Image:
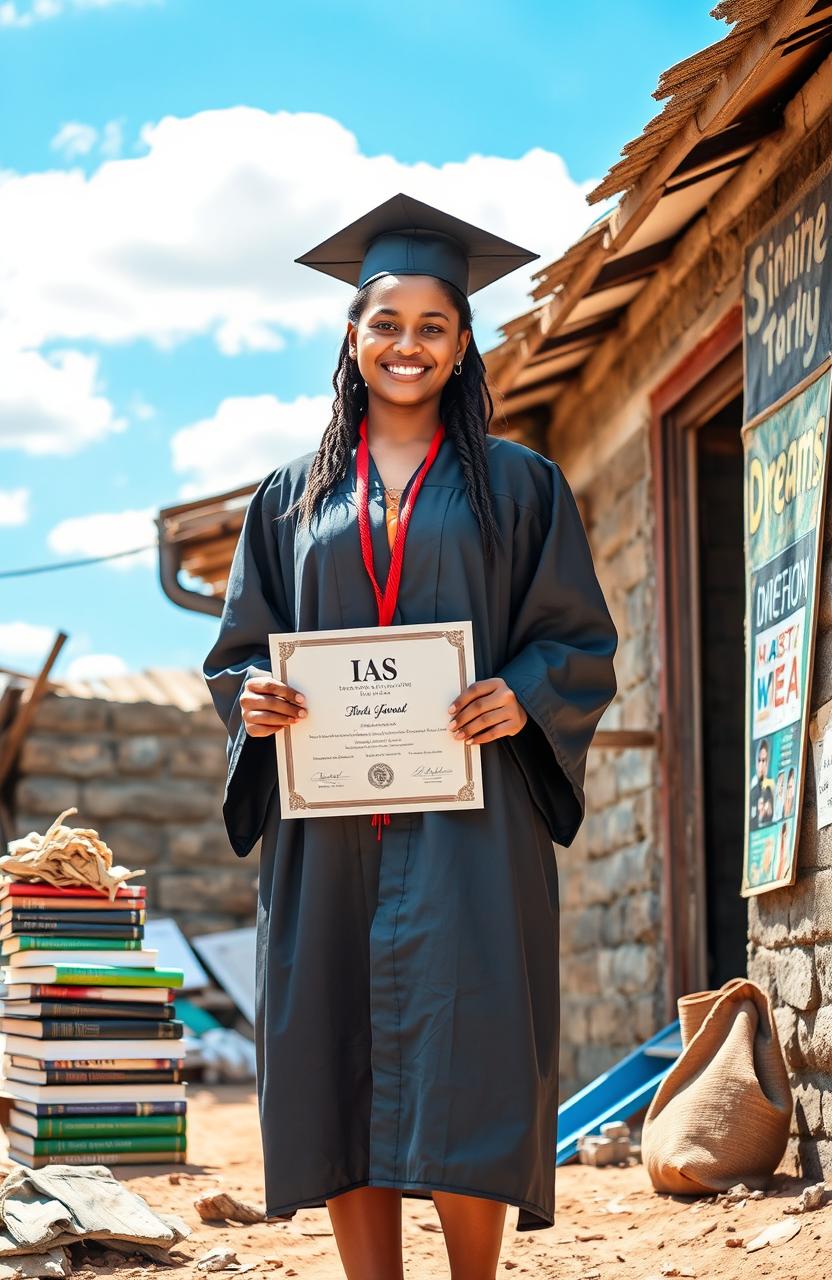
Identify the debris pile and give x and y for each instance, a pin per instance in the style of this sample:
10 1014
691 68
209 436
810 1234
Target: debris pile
45 1213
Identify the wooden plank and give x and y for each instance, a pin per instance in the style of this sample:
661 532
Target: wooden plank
119 688
621 738
29 699
179 688
206 525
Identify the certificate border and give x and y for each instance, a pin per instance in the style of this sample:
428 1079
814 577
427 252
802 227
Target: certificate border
455 637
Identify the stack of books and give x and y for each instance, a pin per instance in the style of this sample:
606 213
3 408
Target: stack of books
93 1054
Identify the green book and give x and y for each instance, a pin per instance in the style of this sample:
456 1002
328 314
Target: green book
56 1146
109 975
89 1126
49 942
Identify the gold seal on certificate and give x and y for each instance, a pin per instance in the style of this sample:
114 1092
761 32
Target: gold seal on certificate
376 736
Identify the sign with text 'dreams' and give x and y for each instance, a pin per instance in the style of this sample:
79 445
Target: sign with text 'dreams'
785 466
787 313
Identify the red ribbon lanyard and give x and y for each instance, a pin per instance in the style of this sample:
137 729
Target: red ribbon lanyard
386 604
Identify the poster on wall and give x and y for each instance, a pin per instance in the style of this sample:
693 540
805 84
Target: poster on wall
787 316
785 466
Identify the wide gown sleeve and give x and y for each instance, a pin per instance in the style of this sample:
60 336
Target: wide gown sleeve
560 664
255 604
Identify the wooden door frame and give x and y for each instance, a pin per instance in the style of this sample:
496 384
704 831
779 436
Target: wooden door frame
692 389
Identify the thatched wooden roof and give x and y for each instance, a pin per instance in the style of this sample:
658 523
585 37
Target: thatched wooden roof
722 102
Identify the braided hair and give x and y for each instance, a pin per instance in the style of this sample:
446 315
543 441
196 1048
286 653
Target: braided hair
465 409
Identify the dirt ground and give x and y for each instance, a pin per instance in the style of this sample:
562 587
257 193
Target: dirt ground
609 1222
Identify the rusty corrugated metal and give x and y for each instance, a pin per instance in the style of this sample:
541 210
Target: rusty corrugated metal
177 687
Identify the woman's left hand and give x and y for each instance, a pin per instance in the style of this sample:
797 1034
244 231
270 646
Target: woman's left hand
486 710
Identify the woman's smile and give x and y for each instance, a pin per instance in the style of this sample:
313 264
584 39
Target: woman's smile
404 372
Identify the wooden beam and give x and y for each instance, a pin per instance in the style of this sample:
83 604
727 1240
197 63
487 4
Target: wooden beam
29 699
620 738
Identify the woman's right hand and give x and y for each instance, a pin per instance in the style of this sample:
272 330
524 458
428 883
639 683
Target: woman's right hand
267 706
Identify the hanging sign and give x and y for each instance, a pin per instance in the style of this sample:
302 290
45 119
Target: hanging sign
785 464
787 314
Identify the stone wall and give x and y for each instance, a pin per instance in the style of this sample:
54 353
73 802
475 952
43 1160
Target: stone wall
790 939
611 874
150 779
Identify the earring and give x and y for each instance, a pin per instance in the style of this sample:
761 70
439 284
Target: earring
458 368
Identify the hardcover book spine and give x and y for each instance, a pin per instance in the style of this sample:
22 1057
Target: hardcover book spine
115 1126
34 889
75 991
116 976
171 1107
68 930
121 1011
136 1142
74 918
50 943
125 1065
61 1076
110 1029
113 1157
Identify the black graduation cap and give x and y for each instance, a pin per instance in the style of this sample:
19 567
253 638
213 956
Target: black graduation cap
403 236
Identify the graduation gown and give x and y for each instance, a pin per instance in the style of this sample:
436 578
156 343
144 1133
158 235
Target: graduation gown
407 1001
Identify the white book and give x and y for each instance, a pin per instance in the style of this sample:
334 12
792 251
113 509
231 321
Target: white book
94 1092
93 1048
144 959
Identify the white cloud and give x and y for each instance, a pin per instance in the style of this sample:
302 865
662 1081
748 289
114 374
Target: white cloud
198 235
245 439
14 506
38 11
78 139
24 640
112 138
140 408
14 15
93 666
104 533
52 404
74 139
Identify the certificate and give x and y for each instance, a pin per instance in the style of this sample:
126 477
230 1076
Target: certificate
376 736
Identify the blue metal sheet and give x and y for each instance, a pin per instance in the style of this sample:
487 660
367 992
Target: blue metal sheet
619 1093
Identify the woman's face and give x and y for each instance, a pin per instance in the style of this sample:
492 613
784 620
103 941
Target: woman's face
408 339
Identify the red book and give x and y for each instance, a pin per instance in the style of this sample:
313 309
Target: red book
52 990
36 889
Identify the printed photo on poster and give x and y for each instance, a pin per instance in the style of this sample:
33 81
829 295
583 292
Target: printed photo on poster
785 479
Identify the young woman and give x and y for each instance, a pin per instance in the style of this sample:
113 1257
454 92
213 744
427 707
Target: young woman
407 1019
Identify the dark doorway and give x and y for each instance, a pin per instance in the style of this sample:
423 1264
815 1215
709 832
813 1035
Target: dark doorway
721 593
697 448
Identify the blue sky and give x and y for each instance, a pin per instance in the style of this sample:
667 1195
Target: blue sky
161 164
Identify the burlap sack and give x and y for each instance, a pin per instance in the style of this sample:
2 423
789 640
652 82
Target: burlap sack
722 1113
